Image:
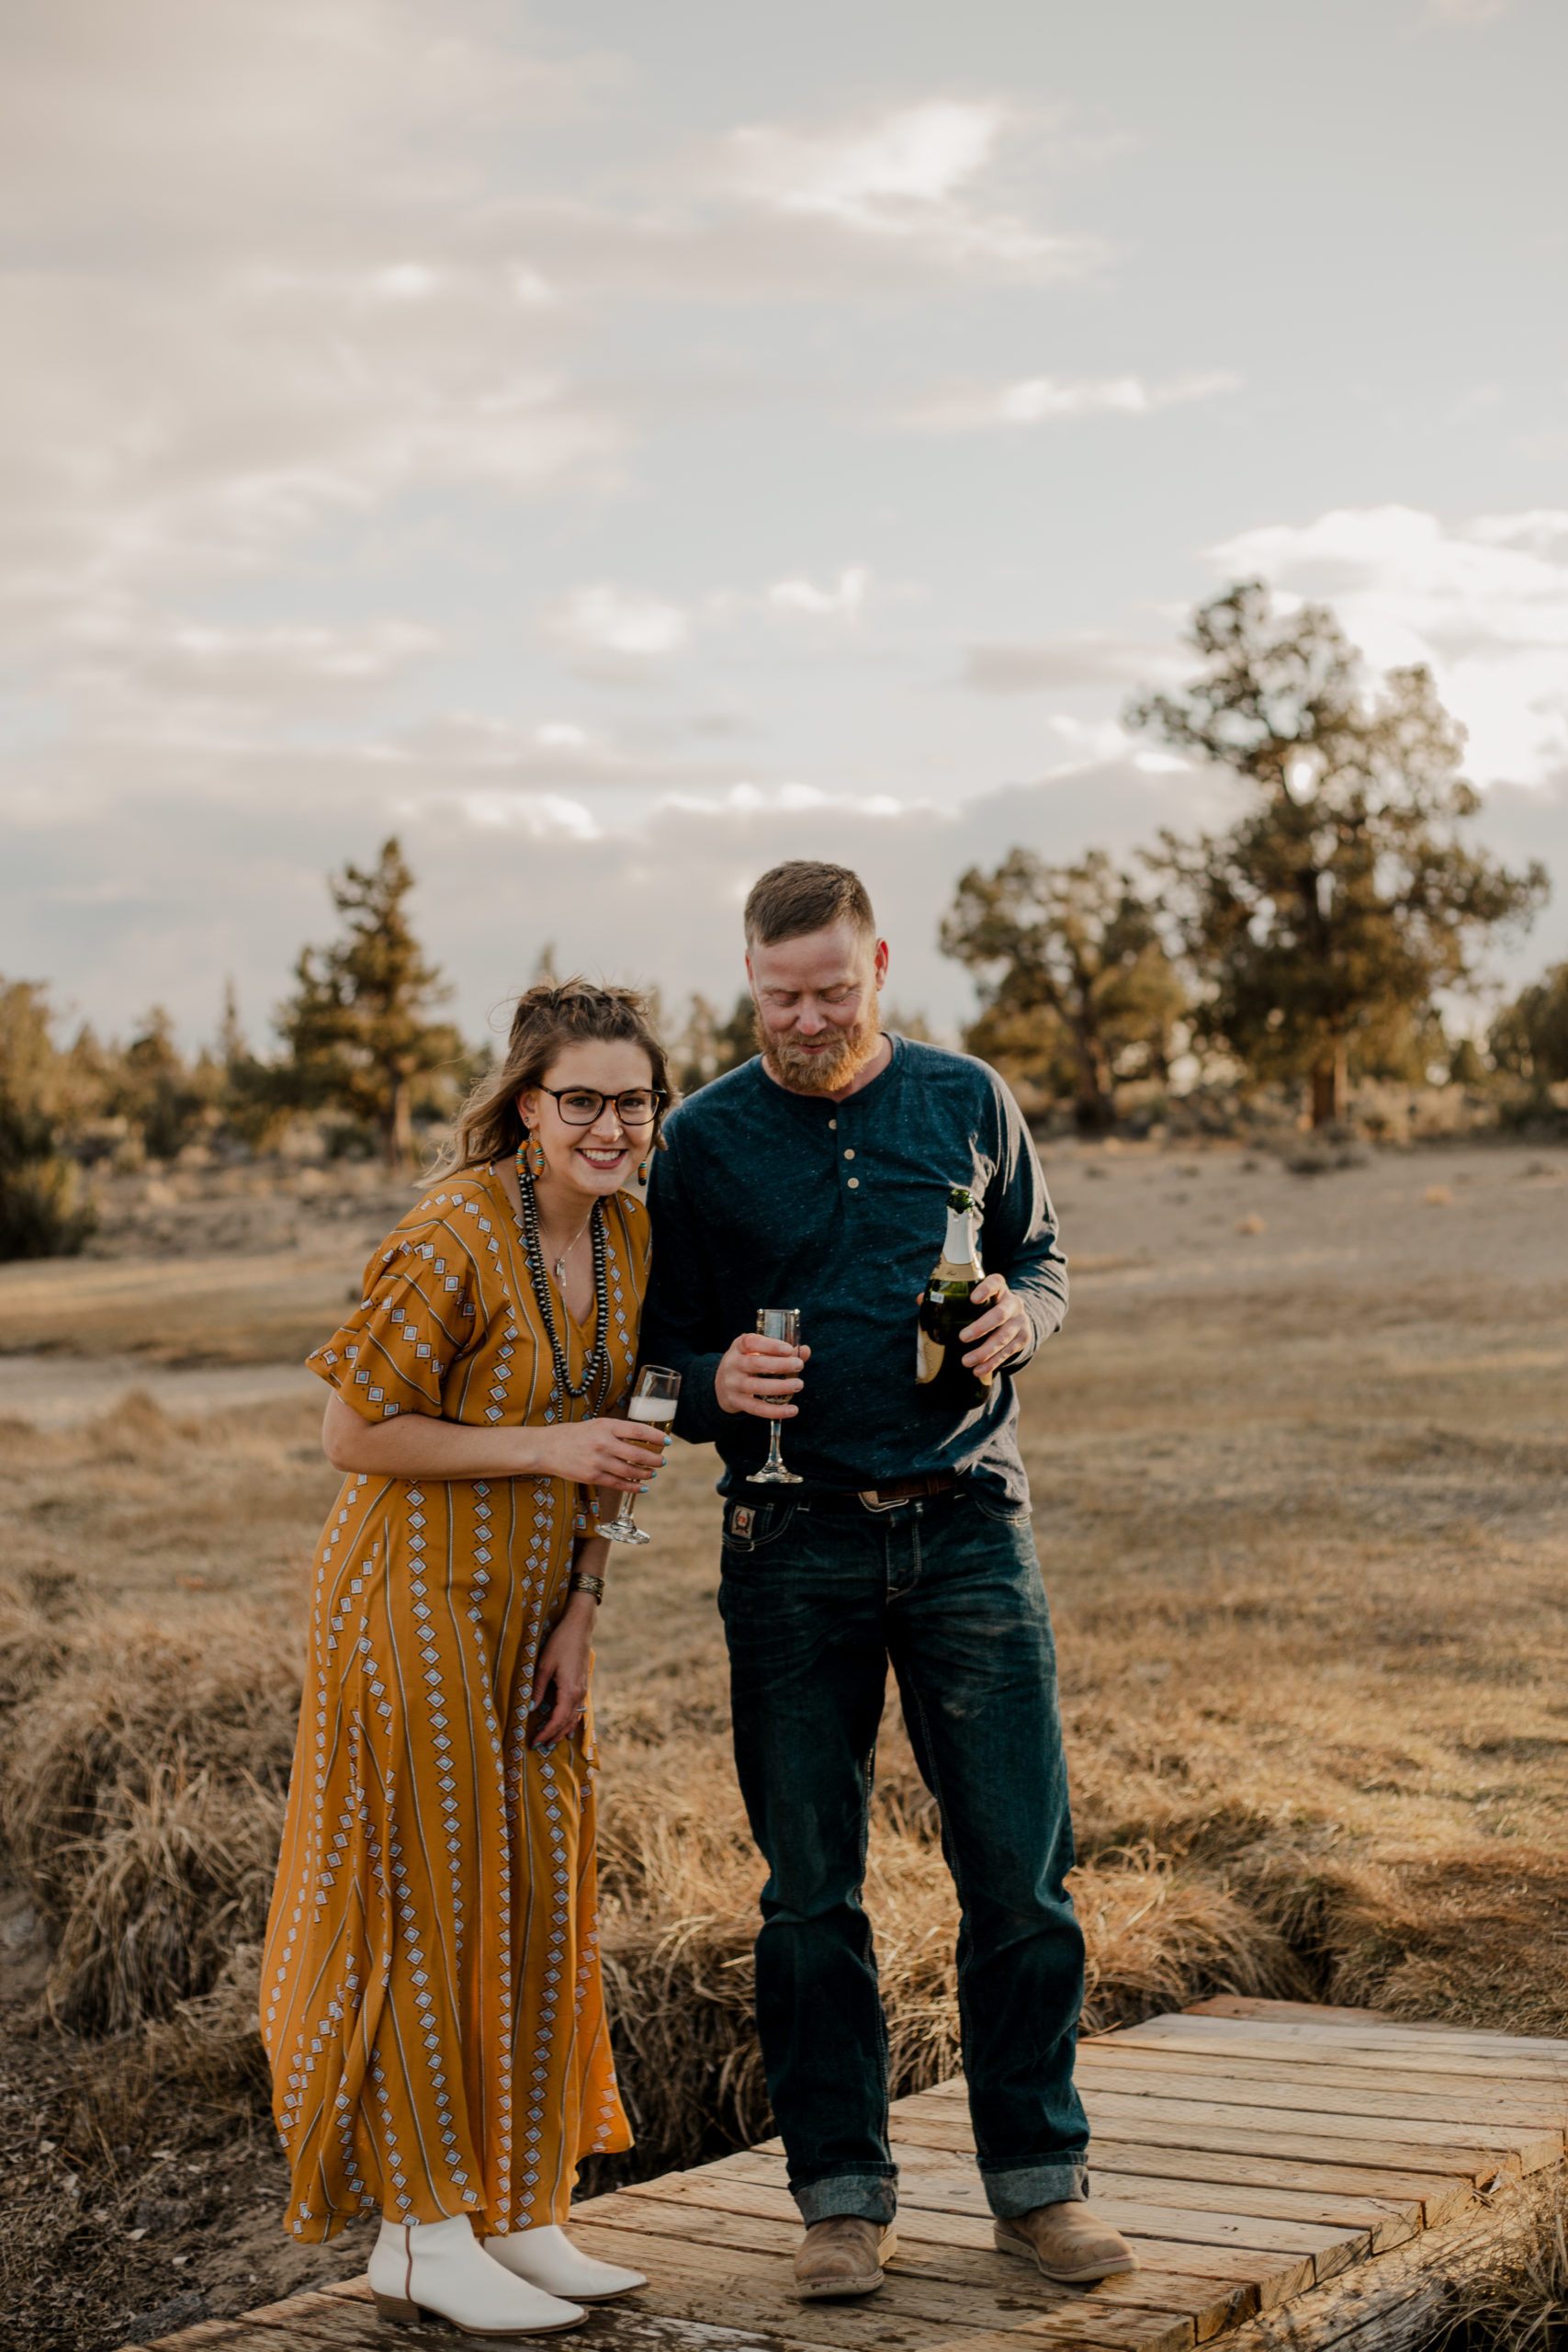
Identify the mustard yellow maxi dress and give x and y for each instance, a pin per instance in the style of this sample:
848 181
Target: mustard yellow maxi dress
431 2003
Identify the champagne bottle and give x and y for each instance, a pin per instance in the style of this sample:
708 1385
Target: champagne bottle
944 1311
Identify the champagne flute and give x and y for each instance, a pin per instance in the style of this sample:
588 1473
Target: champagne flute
652 1400
776 1323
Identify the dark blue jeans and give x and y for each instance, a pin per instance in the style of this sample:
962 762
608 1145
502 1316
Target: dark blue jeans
814 1604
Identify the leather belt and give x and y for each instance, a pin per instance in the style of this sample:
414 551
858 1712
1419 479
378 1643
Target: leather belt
889 1494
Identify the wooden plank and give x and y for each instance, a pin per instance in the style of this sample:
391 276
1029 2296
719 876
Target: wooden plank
625 2326
1395 2305
1393 2205
238 2335
812 2327
1527 2151
1378 2223
1272 2275
1129 2331
755 2292
1331 2089
935 2122
1256 2135
1150 2217
1427 2197
1352 2090
313 2319
1387 2222
1329 2049
976 2287
1374 2028
1251 2005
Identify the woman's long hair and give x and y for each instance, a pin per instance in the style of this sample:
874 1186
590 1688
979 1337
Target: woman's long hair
548 1017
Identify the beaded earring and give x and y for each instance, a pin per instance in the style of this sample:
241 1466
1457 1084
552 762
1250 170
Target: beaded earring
534 1153
642 1168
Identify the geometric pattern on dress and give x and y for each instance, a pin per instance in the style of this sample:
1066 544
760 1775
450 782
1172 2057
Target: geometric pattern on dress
433 2003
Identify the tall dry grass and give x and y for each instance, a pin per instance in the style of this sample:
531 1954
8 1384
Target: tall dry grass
141 1774
1508 2289
142 1770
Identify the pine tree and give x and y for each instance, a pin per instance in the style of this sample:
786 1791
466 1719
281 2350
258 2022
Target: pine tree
1529 1038
355 1027
708 1047
1325 923
1077 988
41 1212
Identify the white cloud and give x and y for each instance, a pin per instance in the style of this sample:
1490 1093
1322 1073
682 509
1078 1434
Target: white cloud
613 632
253 291
620 622
902 178
542 816
407 281
1542 529
872 177
189 680
844 600
1484 605
1043 399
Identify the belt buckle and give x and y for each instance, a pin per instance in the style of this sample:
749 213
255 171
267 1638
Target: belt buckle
871 1498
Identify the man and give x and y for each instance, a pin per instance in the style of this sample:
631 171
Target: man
816 1177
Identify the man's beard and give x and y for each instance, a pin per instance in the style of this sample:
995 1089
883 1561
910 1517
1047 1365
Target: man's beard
821 1072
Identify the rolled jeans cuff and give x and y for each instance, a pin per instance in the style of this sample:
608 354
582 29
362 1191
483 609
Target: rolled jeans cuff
873 2196
1008 2194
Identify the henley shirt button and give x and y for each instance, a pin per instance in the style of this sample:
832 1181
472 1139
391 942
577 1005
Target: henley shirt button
848 1155
854 1183
833 1123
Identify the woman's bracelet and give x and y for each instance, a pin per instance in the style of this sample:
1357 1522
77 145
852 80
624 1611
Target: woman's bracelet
580 1582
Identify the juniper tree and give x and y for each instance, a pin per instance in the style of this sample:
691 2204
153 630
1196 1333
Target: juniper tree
1343 899
356 1026
1076 985
1529 1038
41 1212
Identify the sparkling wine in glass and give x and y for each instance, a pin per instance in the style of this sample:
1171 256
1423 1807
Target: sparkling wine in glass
653 1399
776 1323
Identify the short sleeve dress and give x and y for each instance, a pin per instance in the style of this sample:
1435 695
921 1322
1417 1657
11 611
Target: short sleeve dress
432 2004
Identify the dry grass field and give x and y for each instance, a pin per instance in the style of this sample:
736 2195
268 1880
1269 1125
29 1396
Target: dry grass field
1300 1470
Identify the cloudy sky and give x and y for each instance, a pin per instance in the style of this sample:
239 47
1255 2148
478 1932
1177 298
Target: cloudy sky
615 448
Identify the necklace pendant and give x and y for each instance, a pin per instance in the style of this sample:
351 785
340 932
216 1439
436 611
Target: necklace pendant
561 1271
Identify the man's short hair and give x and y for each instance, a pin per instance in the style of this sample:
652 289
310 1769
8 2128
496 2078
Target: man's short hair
803 896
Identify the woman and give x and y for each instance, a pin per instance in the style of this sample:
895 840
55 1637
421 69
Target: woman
431 1996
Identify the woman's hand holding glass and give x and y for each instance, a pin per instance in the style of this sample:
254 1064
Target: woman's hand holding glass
619 1456
622 1455
652 1406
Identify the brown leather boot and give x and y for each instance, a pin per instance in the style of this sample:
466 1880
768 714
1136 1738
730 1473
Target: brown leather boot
1068 2242
842 2255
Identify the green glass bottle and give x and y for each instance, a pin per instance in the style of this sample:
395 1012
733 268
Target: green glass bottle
944 1311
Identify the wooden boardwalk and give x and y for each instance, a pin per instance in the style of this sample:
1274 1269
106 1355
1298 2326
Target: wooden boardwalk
1253 2150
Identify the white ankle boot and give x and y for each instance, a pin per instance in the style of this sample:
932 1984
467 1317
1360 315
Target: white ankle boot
547 2258
441 2267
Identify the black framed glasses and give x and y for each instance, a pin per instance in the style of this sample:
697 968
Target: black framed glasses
638 1106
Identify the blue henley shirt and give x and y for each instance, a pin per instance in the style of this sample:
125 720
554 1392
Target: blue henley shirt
765 1198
